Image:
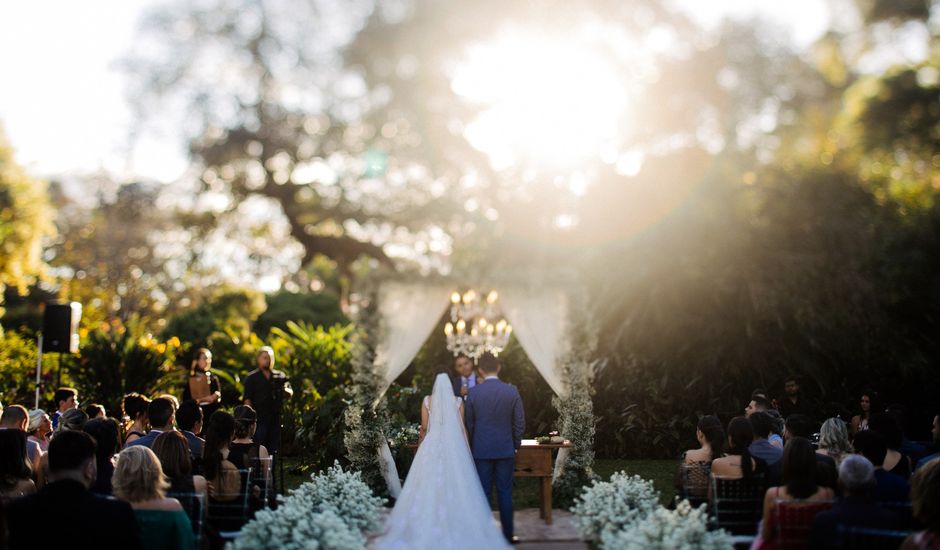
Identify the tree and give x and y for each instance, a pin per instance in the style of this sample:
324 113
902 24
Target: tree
26 221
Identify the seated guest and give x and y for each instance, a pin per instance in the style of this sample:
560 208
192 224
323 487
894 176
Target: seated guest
96 410
776 435
105 432
894 462
223 478
245 453
925 494
15 473
72 420
160 411
761 448
172 450
739 464
64 399
758 403
65 514
189 420
692 474
856 508
800 425
15 417
39 428
935 434
834 439
799 483
135 411
889 487
139 481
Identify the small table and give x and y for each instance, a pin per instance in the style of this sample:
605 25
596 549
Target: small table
534 460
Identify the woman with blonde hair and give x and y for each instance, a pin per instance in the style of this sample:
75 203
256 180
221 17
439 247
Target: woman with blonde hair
834 440
138 480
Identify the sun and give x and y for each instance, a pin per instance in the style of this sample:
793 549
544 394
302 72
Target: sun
548 101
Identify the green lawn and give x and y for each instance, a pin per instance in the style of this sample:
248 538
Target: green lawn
525 494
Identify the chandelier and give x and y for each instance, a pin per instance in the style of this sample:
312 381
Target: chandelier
473 329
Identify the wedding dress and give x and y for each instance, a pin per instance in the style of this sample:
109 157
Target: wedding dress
442 505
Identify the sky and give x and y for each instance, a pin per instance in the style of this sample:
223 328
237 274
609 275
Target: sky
63 105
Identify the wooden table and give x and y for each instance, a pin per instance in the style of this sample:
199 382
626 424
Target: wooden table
534 460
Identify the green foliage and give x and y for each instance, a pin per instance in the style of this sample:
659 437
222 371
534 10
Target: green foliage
321 309
121 359
25 221
227 310
18 371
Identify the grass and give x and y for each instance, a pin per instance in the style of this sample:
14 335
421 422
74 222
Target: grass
526 491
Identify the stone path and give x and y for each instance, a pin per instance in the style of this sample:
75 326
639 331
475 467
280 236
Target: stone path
534 534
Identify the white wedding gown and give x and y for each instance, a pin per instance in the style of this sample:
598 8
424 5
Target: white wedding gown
442 505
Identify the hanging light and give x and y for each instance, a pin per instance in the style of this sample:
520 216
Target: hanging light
473 328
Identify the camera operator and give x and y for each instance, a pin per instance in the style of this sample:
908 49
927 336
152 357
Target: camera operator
265 390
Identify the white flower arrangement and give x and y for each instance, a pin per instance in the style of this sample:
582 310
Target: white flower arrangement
335 509
613 505
684 528
404 435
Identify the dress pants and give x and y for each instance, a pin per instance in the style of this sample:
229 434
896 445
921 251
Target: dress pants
498 470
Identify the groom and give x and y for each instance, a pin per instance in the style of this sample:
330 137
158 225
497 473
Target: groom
495 422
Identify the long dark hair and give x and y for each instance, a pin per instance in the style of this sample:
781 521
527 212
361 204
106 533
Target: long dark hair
218 436
245 419
741 434
799 468
714 434
13 465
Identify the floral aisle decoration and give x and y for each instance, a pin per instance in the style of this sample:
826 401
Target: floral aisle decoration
366 417
401 436
684 528
613 505
334 510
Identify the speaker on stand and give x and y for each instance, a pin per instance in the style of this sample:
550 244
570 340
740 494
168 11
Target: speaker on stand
59 334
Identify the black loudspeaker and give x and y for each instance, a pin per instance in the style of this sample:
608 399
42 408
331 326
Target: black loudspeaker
60 327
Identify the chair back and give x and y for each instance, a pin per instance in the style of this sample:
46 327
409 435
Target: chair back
228 512
905 512
737 504
694 479
194 504
793 520
264 479
864 538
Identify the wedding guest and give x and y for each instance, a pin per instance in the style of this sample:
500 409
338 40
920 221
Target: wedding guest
464 376
834 440
800 425
172 399
889 487
265 391
72 420
14 417
245 453
189 420
739 463
160 413
760 447
201 385
96 410
925 496
799 483
15 473
105 431
64 399
78 519
139 481
693 471
39 428
793 402
223 478
758 403
776 435
135 413
856 508
867 405
894 462
173 452
935 433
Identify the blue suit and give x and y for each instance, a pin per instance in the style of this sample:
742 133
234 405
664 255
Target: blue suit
495 423
146 440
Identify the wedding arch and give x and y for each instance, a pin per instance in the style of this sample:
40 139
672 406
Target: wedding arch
540 317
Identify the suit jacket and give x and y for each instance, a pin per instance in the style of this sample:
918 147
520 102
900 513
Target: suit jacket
495 419
147 440
850 512
773 456
891 487
455 381
78 519
196 443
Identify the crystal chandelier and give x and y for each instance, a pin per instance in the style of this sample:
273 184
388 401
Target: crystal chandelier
473 329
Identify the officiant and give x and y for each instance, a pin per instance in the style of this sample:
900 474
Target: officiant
464 376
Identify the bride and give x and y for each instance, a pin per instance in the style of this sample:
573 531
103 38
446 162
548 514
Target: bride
442 505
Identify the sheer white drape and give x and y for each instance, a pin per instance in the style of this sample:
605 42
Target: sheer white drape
408 315
538 320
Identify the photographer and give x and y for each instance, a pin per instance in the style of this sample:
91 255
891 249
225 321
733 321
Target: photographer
265 390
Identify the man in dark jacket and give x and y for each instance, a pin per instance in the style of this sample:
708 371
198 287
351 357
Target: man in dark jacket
79 518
